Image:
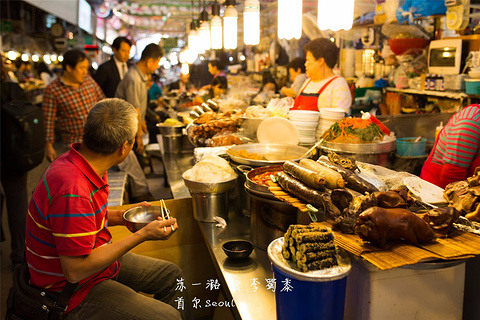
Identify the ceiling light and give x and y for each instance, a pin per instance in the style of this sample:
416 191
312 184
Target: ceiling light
230 25
251 22
204 30
290 19
216 27
335 15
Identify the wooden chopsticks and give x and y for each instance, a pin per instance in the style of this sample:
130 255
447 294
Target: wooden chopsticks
165 213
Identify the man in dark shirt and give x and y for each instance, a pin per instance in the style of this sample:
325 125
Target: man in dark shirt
111 72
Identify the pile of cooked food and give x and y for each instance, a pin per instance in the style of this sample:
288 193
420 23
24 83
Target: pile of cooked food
310 247
464 196
352 205
211 169
214 129
353 130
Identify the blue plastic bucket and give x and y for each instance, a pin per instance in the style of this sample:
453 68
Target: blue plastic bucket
316 294
407 147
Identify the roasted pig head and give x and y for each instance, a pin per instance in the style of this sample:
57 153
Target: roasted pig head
381 225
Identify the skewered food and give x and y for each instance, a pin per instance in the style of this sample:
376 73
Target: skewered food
333 179
352 180
309 177
347 163
311 247
380 226
441 220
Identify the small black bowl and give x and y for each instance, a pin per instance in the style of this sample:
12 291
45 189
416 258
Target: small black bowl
237 249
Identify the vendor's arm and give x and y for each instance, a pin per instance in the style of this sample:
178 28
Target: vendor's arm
76 268
288 92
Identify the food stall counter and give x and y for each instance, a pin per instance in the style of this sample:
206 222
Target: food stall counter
243 281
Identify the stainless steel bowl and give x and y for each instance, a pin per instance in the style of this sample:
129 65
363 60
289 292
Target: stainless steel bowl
274 153
138 217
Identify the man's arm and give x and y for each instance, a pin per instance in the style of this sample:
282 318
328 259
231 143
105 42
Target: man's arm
77 268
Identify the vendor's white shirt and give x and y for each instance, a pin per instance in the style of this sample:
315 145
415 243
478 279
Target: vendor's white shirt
336 95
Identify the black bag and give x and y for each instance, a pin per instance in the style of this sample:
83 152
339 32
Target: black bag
27 302
23 136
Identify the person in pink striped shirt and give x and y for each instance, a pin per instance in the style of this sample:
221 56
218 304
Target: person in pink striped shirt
456 152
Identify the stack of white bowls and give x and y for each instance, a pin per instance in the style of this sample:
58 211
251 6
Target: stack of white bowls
329 116
306 123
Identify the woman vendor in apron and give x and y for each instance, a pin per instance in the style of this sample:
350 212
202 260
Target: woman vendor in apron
456 152
322 89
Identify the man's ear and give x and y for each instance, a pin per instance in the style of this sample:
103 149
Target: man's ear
124 148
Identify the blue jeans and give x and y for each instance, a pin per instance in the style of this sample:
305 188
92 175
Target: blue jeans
118 299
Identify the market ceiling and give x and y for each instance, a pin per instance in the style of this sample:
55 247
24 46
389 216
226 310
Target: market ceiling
172 18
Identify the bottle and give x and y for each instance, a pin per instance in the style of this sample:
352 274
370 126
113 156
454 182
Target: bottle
431 83
427 82
438 129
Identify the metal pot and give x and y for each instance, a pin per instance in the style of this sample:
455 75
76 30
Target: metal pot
380 153
251 173
270 219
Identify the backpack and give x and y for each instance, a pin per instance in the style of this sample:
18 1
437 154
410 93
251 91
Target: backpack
23 136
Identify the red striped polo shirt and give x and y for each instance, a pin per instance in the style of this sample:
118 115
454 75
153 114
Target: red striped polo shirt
459 142
67 216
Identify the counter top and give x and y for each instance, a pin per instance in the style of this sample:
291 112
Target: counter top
245 281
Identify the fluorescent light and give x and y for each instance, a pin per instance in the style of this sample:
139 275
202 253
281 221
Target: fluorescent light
335 14
290 19
216 32
230 27
251 22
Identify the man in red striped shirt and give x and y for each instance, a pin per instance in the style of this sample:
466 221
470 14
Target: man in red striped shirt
67 237
456 153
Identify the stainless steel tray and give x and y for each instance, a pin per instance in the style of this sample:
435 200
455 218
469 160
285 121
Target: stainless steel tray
274 153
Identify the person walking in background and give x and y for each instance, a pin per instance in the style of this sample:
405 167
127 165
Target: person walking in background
67 238
296 71
456 152
68 99
110 73
133 89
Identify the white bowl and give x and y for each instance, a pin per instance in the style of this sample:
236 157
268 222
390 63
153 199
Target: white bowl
474 74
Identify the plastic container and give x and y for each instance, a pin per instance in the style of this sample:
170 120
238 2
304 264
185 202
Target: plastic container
472 86
316 294
407 147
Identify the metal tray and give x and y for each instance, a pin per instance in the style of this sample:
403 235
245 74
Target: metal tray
274 153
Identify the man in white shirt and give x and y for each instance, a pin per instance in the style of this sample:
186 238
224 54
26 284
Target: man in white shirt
111 72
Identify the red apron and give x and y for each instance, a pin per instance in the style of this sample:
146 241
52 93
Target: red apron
309 101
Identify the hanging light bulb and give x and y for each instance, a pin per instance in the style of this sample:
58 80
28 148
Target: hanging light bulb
290 19
216 27
204 31
25 56
12 55
335 15
193 44
230 17
185 69
36 57
251 22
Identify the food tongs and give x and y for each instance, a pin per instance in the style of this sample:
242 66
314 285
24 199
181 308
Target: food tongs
165 213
